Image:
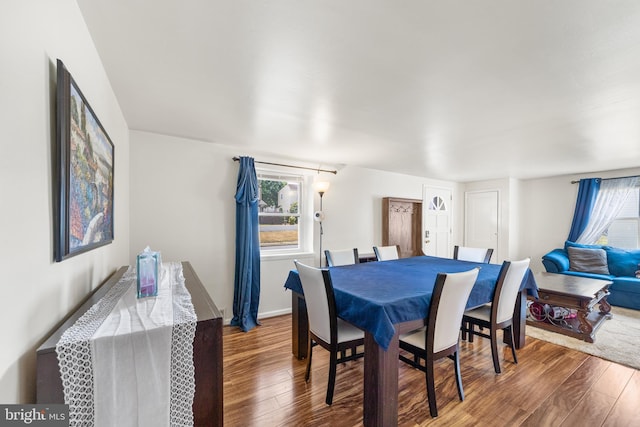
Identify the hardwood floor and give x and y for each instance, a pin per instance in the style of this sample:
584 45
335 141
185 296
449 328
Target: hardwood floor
551 386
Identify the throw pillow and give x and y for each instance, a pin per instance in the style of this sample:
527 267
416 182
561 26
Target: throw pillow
588 260
622 262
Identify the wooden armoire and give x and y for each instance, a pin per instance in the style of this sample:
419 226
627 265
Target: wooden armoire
402 225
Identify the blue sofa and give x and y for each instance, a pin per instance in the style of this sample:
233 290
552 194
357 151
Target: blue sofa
622 265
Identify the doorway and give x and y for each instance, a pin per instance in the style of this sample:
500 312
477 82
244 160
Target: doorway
481 220
437 221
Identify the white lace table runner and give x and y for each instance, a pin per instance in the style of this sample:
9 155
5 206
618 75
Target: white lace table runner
129 361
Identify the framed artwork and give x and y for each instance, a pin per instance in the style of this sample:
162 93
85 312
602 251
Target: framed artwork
84 173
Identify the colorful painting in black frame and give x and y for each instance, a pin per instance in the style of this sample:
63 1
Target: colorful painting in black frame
84 173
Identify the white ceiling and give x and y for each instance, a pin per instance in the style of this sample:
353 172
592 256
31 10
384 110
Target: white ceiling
451 89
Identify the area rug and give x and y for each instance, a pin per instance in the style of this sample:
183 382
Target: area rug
617 339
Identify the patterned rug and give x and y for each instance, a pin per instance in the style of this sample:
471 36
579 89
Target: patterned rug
617 339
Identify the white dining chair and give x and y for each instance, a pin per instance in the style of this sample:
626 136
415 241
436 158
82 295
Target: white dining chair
339 257
440 338
464 253
325 327
385 253
499 313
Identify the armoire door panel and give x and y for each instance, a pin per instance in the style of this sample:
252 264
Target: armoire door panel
402 225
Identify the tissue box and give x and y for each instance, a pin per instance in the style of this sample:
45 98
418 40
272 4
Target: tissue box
147 264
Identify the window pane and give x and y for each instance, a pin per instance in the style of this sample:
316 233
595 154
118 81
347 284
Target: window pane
278 235
623 233
437 204
631 207
279 213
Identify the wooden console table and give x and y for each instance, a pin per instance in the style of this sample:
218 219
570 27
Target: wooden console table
207 351
577 293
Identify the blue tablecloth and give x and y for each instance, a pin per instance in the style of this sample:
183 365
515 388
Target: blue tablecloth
376 295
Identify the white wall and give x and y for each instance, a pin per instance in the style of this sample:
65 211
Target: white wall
182 204
547 212
37 293
353 205
536 214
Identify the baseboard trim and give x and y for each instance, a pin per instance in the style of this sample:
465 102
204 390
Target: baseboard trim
264 315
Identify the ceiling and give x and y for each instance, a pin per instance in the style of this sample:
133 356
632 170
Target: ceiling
451 89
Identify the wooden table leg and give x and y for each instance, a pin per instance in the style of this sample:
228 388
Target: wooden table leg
299 326
380 404
584 327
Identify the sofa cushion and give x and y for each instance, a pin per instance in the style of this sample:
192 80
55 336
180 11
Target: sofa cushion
623 262
588 260
626 284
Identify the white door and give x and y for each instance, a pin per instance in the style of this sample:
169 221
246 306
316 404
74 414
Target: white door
437 212
481 220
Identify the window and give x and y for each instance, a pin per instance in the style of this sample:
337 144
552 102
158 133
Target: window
279 212
624 231
437 204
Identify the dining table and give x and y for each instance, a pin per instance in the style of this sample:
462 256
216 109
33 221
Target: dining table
386 299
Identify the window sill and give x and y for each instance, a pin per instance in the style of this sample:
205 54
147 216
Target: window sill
281 256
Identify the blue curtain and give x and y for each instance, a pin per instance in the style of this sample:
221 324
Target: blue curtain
246 294
587 193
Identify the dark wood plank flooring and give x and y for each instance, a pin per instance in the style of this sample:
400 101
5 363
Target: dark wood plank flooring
551 386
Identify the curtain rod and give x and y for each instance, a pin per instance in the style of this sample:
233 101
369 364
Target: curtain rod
237 159
606 179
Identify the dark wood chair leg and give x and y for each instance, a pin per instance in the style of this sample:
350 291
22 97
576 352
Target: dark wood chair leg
456 368
309 354
494 349
332 377
470 330
431 388
513 345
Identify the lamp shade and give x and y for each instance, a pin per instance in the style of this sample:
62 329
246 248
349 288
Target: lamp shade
321 186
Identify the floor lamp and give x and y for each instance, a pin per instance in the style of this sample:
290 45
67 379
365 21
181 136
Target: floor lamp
321 187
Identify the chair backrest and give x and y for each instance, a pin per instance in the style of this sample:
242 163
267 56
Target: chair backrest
507 289
448 302
339 257
319 298
385 253
464 253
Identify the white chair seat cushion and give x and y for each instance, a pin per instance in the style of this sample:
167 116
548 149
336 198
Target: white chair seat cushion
482 313
348 332
416 337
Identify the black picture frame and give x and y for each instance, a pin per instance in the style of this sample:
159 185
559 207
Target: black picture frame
84 169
